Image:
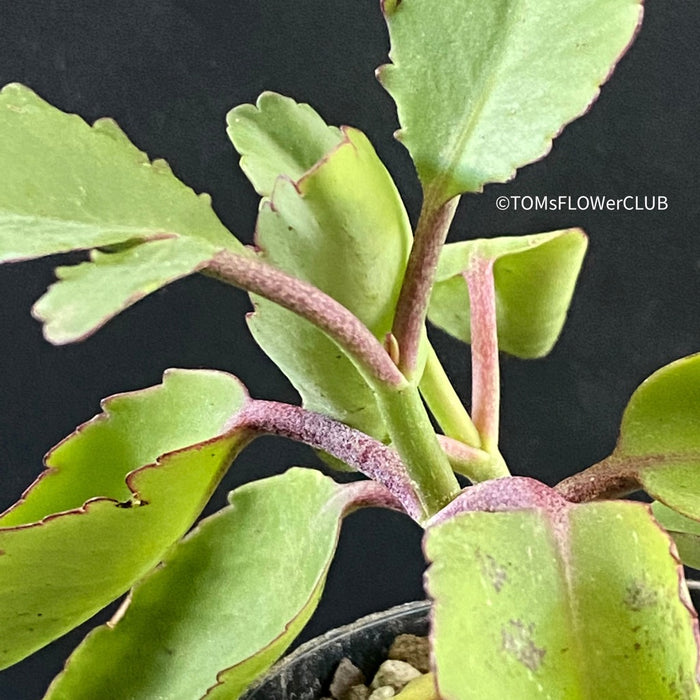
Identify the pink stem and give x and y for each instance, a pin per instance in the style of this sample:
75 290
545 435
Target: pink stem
412 306
312 304
364 453
486 385
369 494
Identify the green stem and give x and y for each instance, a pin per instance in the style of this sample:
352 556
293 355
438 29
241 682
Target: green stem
412 307
407 420
444 404
414 439
472 462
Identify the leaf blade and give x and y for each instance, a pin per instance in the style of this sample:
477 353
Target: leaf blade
80 536
535 277
581 615
659 442
343 228
278 136
213 605
88 295
684 531
69 186
526 69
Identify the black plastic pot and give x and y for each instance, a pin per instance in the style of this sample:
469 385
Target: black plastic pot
306 673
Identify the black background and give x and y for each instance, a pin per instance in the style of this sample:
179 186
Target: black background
168 71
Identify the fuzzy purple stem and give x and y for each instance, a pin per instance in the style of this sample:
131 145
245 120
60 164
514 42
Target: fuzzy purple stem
360 451
610 478
312 304
486 385
369 494
506 494
412 307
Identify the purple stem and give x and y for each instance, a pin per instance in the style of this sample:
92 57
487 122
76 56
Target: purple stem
610 478
369 494
412 307
312 304
506 494
486 384
360 451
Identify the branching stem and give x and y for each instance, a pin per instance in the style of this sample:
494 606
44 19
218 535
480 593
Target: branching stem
428 469
431 232
474 463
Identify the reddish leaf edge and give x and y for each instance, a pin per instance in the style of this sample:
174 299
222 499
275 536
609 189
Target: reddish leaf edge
621 473
353 497
389 7
254 419
128 302
510 494
131 478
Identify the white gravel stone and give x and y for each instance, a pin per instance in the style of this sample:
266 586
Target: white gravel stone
395 674
386 691
345 677
413 650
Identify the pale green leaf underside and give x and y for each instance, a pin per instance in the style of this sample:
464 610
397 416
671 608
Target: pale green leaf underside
535 277
278 136
685 533
325 378
215 603
578 603
343 228
67 186
660 436
109 505
482 88
88 295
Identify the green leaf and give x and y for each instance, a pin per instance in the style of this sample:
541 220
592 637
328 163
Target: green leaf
535 277
232 595
343 228
68 186
553 599
684 531
482 88
278 136
659 444
90 294
115 496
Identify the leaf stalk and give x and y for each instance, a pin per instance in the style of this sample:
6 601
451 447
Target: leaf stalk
412 307
486 383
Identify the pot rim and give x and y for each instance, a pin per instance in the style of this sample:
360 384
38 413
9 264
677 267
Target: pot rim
338 634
